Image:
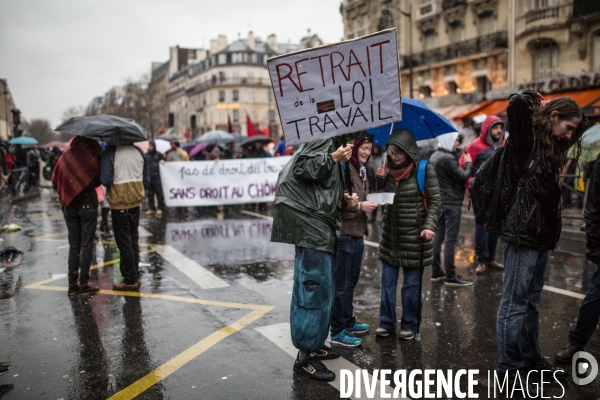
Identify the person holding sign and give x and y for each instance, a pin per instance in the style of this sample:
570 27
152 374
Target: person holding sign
348 258
308 214
412 216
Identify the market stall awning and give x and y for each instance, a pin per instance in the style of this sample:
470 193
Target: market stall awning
588 100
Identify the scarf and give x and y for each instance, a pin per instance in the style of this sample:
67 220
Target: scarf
76 169
358 166
403 172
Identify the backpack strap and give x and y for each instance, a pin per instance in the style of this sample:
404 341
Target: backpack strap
421 174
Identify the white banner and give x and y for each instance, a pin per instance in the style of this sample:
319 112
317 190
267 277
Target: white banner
209 183
339 88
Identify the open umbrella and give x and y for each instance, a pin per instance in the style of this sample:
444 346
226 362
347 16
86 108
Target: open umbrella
238 137
198 148
23 140
162 146
169 137
215 136
416 117
108 128
255 139
56 143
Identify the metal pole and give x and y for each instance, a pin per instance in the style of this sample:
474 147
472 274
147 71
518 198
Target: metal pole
410 49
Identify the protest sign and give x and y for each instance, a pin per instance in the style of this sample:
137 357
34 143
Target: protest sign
339 88
208 183
381 198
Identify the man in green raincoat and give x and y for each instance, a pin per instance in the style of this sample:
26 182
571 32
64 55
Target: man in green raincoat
308 214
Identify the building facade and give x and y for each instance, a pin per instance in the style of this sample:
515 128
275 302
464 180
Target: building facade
7 105
205 89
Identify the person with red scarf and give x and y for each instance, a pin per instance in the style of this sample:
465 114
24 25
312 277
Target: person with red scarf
350 247
75 178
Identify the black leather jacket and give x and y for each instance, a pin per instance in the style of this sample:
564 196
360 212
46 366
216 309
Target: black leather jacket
592 210
451 177
533 217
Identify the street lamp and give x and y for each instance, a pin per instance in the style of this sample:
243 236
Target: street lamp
383 24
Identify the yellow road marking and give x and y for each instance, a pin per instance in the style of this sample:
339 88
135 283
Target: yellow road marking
141 385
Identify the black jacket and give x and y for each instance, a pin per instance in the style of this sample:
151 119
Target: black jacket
451 177
153 158
533 217
592 210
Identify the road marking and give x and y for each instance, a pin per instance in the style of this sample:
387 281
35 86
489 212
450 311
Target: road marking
201 276
175 363
281 336
565 292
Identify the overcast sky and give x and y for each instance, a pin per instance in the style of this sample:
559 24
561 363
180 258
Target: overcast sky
62 53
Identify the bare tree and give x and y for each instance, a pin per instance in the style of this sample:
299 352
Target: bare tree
39 129
73 111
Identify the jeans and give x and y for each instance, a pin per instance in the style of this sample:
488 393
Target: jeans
447 232
81 225
589 313
125 228
518 321
312 298
346 271
155 188
485 245
410 297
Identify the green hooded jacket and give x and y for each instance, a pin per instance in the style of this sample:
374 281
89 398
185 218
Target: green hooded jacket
309 196
403 221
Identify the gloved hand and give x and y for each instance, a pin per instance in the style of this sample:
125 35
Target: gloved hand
593 255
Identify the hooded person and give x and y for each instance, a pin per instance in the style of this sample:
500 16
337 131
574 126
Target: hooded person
492 136
75 178
451 178
350 246
154 158
404 223
308 206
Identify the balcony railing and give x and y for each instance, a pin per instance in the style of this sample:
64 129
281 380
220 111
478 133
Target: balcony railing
493 41
541 13
266 82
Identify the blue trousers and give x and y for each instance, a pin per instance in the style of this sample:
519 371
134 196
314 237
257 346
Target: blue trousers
410 295
518 321
485 245
312 298
589 313
346 272
447 232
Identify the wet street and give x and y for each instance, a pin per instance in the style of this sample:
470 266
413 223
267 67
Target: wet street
211 319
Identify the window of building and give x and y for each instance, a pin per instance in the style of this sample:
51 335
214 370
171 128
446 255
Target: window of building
543 3
596 52
222 76
222 117
455 32
221 96
250 76
546 60
236 115
483 84
452 87
222 58
271 116
429 40
193 122
250 95
486 24
171 120
236 95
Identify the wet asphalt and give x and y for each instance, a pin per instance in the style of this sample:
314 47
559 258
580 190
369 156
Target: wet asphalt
92 347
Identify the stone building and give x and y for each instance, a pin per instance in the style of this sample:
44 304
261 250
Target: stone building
207 88
7 105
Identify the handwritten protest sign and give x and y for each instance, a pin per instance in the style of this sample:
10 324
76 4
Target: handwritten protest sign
208 183
336 89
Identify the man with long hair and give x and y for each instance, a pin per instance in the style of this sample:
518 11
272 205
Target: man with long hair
540 134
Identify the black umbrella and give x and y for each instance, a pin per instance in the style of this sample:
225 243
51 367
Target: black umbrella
108 128
255 139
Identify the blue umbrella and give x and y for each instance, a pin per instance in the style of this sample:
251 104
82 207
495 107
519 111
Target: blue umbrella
417 118
24 140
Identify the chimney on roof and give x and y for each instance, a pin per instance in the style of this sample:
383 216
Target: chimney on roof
251 41
272 42
219 44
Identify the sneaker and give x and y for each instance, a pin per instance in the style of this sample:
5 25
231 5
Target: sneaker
73 289
481 268
86 288
566 354
440 276
4 367
345 338
313 368
496 264
327 353
406 335
543 365
125 286
458 281
158 212
359 328
382 332
150 212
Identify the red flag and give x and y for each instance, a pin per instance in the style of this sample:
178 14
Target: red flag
250 126
229 124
